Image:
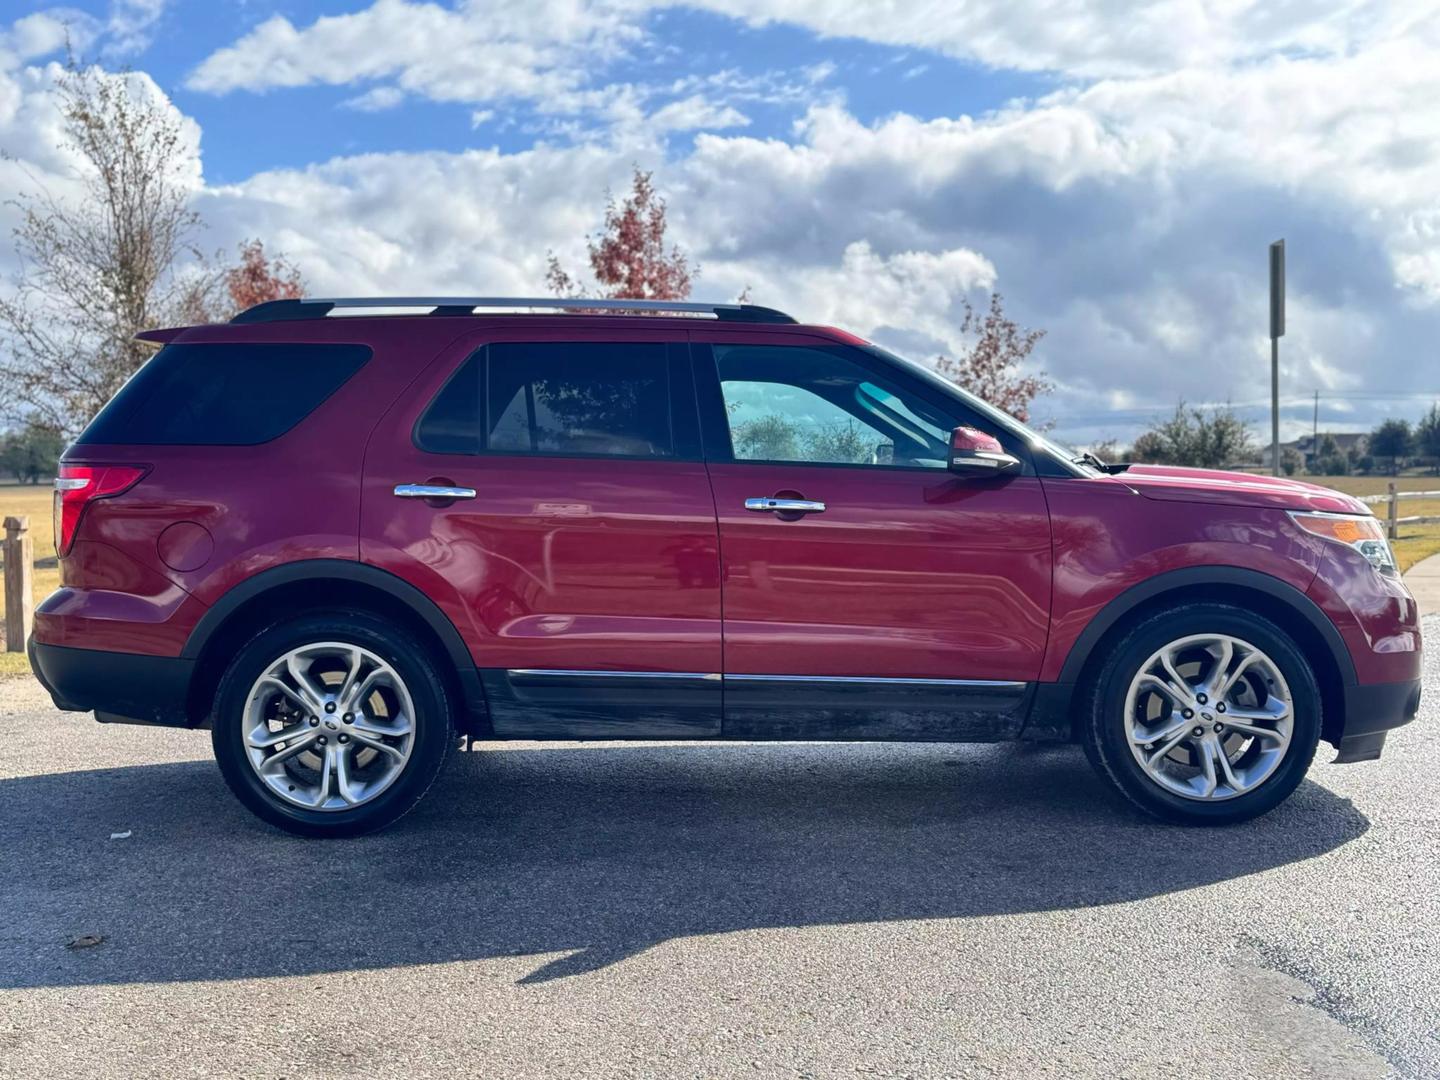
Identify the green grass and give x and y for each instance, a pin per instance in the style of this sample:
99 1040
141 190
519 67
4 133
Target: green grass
13 665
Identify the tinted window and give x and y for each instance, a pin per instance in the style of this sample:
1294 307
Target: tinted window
814 405
451 425
567 398
223 394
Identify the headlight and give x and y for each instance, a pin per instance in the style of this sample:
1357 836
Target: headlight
1363 533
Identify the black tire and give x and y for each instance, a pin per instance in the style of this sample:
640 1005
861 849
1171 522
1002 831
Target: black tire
1107 745
432 737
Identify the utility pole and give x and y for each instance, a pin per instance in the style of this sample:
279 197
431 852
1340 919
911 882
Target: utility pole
1277 331
1315 430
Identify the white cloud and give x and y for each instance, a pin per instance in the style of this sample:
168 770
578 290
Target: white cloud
694 112
1100 38
376 99
124 31
473 52
131 25
43 33
434 48
910 295
549 54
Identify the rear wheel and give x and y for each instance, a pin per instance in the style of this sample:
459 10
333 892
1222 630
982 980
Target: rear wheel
331 724
1204 714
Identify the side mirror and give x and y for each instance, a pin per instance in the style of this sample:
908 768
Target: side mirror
974 453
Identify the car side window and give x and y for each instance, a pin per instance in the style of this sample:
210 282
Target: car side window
562 398
788 403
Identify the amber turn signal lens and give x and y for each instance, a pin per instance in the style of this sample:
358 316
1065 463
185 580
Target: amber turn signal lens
1364 534
1347 530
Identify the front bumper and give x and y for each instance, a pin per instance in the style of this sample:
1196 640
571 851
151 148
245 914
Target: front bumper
1371 711
122 688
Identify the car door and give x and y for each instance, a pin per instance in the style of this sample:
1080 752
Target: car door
899 600
563 521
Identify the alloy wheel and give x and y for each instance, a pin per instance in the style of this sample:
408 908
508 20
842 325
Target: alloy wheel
329 726
1209 717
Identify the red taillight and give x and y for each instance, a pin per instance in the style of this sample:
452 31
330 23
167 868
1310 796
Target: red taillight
77 486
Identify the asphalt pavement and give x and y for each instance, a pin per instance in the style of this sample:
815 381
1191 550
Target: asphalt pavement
604 910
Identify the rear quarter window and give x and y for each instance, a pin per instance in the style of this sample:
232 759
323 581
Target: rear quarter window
230 394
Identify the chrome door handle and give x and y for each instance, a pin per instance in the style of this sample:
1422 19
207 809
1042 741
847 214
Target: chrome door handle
785 506
433 491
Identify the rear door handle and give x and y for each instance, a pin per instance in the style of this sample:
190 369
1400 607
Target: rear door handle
433 491
785 506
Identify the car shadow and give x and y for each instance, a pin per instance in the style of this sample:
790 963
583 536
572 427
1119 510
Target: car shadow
593 852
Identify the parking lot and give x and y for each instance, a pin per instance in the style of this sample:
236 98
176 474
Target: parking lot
653 909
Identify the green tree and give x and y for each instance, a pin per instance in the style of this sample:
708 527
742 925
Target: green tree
843 444
769 438
1393 439
1328 459
1202 438
1149 449
1427 435
31 454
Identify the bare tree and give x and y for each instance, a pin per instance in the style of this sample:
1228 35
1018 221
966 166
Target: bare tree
99 265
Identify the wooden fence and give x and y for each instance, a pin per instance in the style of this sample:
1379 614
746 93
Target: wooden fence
1391 500
19 582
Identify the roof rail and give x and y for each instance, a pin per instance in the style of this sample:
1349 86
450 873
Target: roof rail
318 308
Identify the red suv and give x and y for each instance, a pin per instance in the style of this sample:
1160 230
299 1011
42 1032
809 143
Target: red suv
340 542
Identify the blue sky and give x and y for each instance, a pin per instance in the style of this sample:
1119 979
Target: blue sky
1115 170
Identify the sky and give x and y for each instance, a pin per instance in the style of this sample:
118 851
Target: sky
1116 170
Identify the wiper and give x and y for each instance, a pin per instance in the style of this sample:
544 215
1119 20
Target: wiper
1087 458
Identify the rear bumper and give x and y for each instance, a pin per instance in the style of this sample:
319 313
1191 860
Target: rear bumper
1372 710
125 688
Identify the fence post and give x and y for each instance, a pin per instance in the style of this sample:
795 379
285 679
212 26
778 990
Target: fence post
19 582
1392 528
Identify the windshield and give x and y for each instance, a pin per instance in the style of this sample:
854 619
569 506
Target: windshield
1036 440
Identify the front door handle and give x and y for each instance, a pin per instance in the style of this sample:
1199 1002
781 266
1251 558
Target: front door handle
785 506
433 491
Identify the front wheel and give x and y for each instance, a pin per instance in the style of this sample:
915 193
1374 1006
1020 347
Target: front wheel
331 724
1204 714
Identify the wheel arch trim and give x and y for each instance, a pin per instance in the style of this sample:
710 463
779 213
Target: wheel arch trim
311 571
1192 577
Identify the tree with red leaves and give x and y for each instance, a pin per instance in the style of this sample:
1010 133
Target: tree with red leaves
630 260
991 367
259 278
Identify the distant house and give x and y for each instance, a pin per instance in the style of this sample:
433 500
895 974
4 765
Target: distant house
1345 441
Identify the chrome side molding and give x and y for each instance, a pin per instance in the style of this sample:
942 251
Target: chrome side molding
864 680
560 673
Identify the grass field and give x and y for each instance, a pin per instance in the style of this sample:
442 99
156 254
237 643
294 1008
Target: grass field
1415 542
